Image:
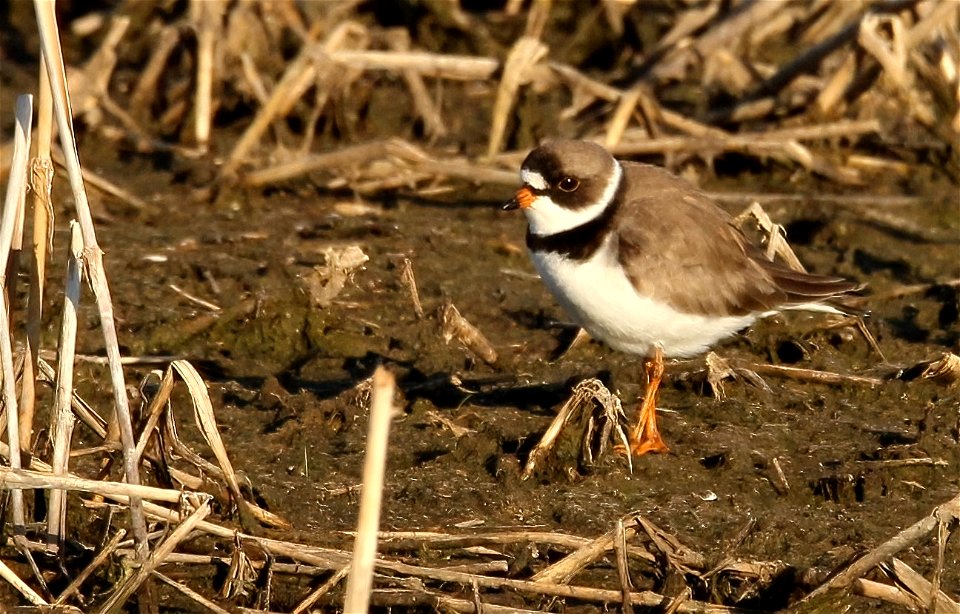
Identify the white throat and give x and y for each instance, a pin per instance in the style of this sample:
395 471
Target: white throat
546 217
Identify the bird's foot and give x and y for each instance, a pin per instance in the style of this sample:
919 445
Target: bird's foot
639 447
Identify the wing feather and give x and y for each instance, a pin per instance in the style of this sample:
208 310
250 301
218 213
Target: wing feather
677 246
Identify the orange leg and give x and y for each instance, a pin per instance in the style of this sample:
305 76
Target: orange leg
645 436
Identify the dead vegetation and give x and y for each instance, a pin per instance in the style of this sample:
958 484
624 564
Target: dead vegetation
860 89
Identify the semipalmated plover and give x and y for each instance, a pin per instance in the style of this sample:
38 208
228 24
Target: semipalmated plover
648 264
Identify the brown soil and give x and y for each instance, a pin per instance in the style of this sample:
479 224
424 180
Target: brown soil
283 373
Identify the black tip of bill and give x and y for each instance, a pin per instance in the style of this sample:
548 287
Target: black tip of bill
511 204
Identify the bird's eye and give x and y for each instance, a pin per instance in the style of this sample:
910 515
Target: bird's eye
568 184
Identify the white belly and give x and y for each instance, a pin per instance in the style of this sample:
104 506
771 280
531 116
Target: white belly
600 298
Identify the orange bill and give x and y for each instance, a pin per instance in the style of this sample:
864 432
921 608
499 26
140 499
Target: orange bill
525 197
521 200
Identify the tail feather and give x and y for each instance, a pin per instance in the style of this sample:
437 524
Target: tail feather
802 288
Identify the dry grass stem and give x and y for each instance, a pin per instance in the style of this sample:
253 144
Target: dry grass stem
943 515
455 326
412 539
581 401
310 600
91 83
53 58
457 430
776 236
26 478
12 209
315 61
203 412
781 477
81 408
623 568
190 593
249 513
848 201
719 369
678 556
380 165
99 183
621 117
63 420
921 590
462 67
722 35
884 592
409 281
811 375
521 60
906 462
360 581
564 570
132 583
195 299
147 85
207 16
41 183
22 587
944 370
343 157
410 598
101 557
399 40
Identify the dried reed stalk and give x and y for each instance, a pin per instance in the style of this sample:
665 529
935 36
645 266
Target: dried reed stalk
523 57
99 183
459 67
301 73
101 557
409 281
92 84
13 203
127 587
159 408
581 399
771 141
190 593
399 40
83 411
148 84
919 588
41 182
811 375
26 478
206 420
11 274
623 568
207 16
323 558
311 599
407 160
944 515
724 34
93 256
566 568
360 580
453 325
31 595
621 116
63 421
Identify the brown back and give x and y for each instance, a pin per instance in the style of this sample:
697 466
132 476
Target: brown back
679 247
